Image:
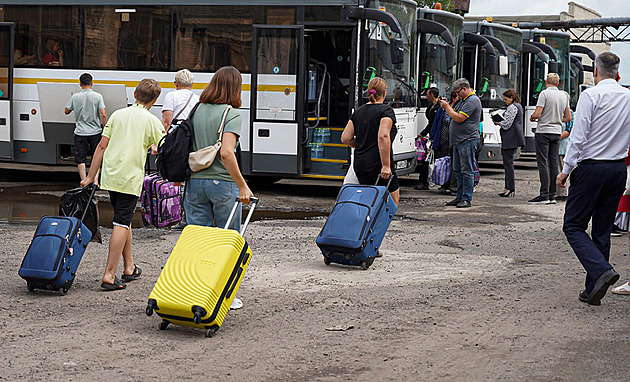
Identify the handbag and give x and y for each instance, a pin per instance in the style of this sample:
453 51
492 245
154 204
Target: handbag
442 171
421 149
203 158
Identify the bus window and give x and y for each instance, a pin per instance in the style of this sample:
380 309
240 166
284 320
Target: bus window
45 35
137 40
209 38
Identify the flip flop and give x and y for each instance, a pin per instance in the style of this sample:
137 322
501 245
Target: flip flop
622 289
117 285
137 271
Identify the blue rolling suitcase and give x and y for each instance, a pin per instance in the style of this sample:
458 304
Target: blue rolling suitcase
357 224
55 252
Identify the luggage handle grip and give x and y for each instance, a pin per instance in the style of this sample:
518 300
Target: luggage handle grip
253 203
388 182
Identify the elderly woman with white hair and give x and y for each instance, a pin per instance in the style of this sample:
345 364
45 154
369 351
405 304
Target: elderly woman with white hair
179 103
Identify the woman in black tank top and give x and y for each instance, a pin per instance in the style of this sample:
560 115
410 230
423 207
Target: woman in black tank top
370 131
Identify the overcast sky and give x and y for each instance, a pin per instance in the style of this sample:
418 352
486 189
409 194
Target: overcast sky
608 8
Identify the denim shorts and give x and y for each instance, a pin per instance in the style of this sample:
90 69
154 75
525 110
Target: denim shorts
208 202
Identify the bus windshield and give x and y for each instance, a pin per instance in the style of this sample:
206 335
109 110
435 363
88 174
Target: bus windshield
492 84
400 78
560 47
433 61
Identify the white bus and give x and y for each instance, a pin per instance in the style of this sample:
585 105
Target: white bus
305 69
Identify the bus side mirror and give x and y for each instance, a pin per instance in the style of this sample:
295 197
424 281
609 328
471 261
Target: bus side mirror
503 66
397 50
451 57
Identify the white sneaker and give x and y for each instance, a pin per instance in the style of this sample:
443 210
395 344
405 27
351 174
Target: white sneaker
236 304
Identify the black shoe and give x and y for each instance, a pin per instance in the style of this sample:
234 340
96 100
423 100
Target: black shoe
583 296
539 200
561 197
421 187
552 201
507 194
443 191
602 284
453 202
463 204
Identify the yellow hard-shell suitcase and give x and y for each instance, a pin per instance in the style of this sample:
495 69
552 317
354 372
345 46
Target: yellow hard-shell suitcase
201 277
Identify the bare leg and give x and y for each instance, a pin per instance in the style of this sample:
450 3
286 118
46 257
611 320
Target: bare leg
129 265
396 196
117 243
81 167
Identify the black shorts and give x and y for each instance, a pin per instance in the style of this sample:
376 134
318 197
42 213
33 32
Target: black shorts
369 178
85 145
124 208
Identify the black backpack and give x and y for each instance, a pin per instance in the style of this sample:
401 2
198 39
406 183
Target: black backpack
173 150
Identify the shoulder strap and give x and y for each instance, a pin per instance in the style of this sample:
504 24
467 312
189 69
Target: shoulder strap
184 108
222 126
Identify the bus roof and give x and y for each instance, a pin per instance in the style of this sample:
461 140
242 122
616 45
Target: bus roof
423 11
529 33
476 25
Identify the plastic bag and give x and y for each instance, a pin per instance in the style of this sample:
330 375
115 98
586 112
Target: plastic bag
73 203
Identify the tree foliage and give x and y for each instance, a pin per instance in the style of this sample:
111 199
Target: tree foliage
447 5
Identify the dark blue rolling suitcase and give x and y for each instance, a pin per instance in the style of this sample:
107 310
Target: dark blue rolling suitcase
53 257
356 226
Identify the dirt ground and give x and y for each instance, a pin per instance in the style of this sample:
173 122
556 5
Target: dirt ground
487 293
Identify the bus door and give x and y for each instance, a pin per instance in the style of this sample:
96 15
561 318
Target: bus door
276 110
6 90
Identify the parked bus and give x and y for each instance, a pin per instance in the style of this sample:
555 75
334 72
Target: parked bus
492 64
440 36
555 45
305 68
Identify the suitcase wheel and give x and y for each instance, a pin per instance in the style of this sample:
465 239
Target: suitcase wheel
64 291
164 324
210 332
30 286
364 265
326 260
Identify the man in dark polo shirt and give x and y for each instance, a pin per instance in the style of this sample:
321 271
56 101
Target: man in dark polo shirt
464 137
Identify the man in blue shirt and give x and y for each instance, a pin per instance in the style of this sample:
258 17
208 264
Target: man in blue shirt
90 117
595 159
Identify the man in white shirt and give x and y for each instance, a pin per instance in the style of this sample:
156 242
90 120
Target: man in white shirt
552 109
595 159
179 103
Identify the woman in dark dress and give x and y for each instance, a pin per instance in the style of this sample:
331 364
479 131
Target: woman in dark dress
371 131
512 137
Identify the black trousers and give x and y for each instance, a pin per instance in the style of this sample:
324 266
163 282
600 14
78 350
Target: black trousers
424 172
547 159
508 165
595 191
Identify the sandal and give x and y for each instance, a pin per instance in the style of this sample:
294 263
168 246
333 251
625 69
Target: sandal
117 285
622 289
137 271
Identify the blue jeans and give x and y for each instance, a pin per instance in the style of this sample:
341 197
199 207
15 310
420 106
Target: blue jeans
208 202
463 167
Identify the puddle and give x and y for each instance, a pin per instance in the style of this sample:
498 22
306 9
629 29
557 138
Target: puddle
26 205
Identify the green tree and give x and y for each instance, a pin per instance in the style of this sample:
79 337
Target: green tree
447 5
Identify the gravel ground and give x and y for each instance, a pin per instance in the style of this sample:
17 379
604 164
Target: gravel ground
488 293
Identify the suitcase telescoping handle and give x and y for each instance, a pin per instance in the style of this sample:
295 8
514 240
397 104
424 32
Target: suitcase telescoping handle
253 201
388 182
85 210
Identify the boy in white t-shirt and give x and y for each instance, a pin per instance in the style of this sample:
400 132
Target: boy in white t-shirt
179 103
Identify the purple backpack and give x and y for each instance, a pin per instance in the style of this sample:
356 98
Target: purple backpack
161 202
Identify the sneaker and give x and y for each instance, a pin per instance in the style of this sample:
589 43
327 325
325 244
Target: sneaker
236 304
421 187
552 201
453 202
539 200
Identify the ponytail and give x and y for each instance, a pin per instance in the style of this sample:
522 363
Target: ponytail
376 89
